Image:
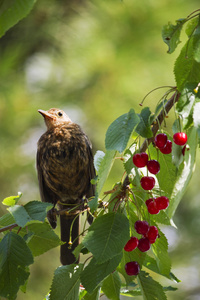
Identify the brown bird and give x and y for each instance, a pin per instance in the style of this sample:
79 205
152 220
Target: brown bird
65 169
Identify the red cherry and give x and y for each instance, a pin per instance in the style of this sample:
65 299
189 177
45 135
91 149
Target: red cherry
160 140
144 244
131 244
152 234
132 268
140 159
180 138
147 182
153 166
153 208
162 202
148 201
168 148
141 227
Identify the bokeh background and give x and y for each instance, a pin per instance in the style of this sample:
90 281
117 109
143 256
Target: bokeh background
96 60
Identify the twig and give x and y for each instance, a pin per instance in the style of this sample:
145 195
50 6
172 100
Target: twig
9 227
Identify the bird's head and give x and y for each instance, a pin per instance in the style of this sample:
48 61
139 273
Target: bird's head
54 117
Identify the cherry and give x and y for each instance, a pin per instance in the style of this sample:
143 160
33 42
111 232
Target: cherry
147 182
180 138
153 166
132 268
140 159
162 202
168 148
148 201
131 244
141 227
153 208
160 140
152 234
144 244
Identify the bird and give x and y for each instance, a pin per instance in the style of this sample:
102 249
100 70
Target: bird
65 169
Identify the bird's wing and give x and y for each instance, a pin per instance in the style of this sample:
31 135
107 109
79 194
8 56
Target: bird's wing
92 173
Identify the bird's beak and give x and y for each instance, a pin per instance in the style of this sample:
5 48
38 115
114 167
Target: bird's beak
46 115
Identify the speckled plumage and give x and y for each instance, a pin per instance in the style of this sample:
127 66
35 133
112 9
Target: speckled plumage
65 169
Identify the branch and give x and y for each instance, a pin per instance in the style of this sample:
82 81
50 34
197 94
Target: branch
155 126
9 227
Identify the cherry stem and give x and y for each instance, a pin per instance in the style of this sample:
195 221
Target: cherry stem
155 126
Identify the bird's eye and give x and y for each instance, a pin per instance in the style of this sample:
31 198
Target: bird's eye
60 114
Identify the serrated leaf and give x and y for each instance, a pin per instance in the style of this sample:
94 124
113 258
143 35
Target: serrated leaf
94 296
160 250
12 11
104 167
15 257
184 173
99 155
66 282
151 289
186 68
42 238
177 156
196 43
12 200
107 236
144 126
196 117
171 34
185 104
34 211
95 272
111 286
119 132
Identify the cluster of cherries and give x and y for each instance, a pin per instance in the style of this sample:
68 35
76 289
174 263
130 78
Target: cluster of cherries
154 205
149 236
140 160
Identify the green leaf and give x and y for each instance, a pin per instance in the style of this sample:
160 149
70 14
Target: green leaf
104 166
94 296
66 282
177 156
186 68
160 250
34 211
185 104
196 43
144 126
12 200
196 117
94 273
184 173
151 289
99 155
42 238
171 34
12 11
15 257
107 236
119 132
111 286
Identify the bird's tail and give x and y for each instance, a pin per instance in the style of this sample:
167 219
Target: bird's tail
66 255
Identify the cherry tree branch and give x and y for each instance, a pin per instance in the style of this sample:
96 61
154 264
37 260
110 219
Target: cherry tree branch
156 125
9 227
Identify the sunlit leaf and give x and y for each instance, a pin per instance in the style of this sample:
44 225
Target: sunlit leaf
119 132
107 236
66 282
12 11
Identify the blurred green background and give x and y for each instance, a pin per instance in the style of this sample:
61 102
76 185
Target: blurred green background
96 60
